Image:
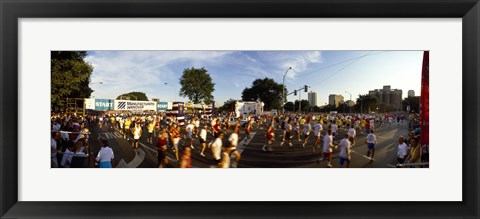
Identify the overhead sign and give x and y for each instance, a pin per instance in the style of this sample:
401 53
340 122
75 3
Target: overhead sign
163 106
104 104
135 105
90 104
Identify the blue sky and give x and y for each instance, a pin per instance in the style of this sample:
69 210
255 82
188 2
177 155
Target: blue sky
326 72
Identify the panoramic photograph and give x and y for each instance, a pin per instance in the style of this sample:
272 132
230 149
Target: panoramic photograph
240 109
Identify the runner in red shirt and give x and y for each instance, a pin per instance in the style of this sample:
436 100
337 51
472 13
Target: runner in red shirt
269 139
186 158
162 148
215 131
367 126
248 129
175 138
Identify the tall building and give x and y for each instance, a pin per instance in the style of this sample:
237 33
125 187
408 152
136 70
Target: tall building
335 100
411 93
312 98
391 98
350 103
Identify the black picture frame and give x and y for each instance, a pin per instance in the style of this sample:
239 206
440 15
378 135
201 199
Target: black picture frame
11 11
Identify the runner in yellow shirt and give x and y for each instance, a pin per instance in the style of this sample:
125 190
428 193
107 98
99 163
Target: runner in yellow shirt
362 125
126 127
338 122
112 122
150 128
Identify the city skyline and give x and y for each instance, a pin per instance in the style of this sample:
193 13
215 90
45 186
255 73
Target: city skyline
326 72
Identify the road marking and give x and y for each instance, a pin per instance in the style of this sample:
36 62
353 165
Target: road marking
368 158
242 147
363 155
137 160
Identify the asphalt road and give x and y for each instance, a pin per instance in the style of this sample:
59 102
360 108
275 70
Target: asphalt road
251 155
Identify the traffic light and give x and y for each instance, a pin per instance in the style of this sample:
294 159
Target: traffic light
306 88
295 92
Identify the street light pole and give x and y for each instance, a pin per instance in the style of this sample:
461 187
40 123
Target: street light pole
283 90
350 103
299 101
84 102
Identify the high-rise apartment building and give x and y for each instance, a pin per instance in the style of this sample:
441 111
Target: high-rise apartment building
335 100
391 98
411 93
312 99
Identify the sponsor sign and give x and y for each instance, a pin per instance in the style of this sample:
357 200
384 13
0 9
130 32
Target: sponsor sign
90 104
135 105
103 104
163 106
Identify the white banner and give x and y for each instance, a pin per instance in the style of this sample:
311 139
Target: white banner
135 105
90 103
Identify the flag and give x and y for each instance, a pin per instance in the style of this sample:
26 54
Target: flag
424 101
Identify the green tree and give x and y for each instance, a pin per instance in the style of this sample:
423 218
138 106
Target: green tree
305 105
289 106
366 103
135 95
227 106
70 76
266 90
329 108
197 85
413 102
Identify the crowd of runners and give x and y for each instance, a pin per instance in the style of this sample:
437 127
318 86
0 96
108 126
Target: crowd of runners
70 135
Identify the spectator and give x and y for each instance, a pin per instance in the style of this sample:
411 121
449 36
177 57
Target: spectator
53 148
105 155
402 151
414 155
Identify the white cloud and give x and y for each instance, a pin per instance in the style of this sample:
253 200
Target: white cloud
298 60
147 71
124 71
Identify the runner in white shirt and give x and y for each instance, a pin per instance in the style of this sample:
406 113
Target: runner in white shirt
197 126
189 128
296 129
352 133
402 151
203 139
137 133
345 149
121 121
100 121
287 134
327 148
217 147
225 162
307 128
334 130
317 132
371 140
233 140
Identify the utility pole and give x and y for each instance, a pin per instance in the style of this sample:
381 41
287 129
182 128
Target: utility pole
300 101
350 103
283 90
